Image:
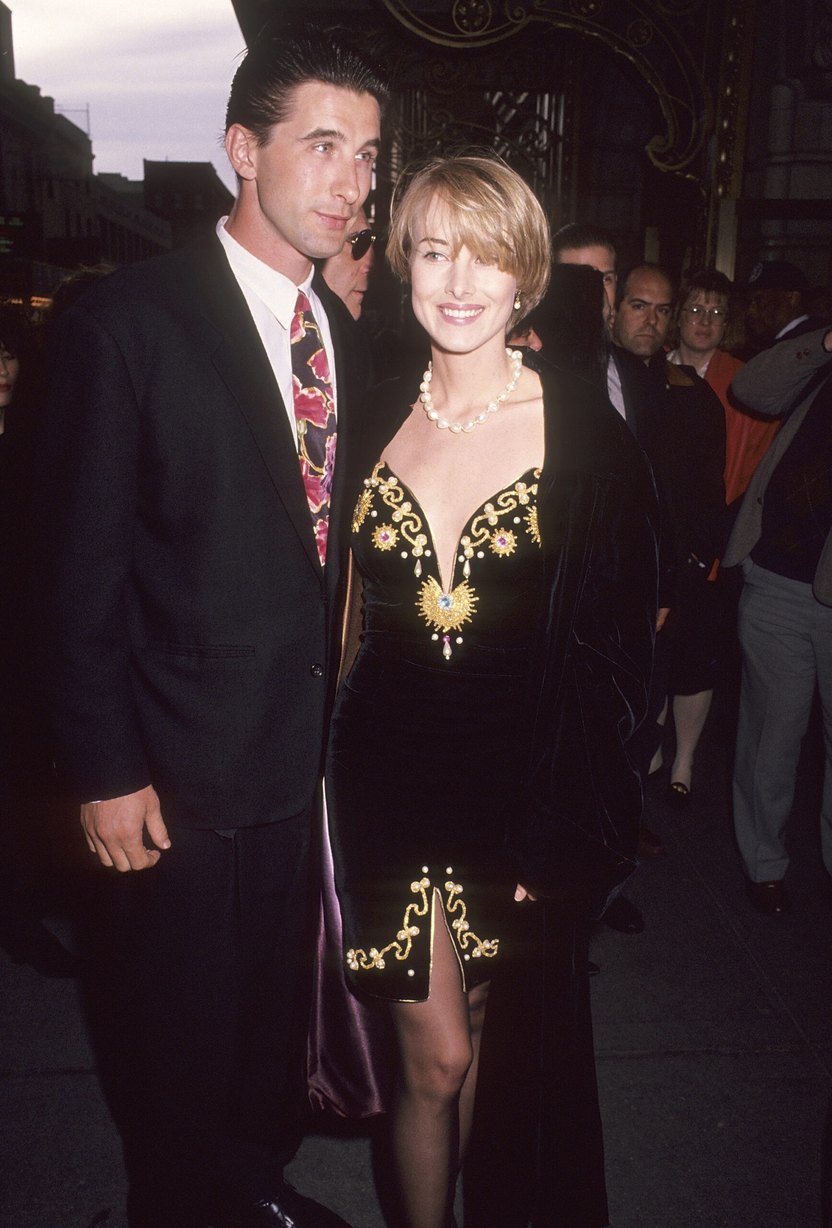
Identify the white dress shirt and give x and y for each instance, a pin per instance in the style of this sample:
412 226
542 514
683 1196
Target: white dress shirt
614 391
271 299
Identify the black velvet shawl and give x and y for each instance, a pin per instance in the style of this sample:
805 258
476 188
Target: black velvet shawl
574 840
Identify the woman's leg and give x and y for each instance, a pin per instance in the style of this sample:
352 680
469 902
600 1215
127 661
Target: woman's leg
689 715
477 1000
658 758
435 1058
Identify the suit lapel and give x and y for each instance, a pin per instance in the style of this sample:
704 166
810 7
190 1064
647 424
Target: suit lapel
242 363
630 392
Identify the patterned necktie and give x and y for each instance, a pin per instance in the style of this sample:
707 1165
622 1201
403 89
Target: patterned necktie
315 417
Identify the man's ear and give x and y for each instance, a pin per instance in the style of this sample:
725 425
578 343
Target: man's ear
240 145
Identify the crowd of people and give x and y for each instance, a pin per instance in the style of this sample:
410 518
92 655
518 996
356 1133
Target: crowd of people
356 681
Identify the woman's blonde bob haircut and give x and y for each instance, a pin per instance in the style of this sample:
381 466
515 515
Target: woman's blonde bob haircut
487 208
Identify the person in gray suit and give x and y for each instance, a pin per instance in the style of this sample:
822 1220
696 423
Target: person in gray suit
783 540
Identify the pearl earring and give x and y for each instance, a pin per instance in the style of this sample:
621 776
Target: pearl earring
517 301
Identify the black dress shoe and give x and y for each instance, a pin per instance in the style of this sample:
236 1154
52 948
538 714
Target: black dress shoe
289 1209
769 898
30 942
622 915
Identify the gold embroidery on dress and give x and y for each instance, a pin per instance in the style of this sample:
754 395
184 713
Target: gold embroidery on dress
483 527
362 508
385 537
503 542
401 946
409 522
446 612
465 936
360 960
532 525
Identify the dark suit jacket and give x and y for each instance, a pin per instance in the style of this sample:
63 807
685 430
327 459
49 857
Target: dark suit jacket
680 424
187 627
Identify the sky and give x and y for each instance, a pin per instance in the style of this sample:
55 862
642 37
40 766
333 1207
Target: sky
154 73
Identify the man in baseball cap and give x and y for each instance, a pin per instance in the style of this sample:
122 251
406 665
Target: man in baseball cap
775 303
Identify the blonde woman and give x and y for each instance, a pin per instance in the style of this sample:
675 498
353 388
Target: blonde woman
504 535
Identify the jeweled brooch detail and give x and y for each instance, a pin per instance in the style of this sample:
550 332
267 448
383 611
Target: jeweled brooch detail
385 537
446 611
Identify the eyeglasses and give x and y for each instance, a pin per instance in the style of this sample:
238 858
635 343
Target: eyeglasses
705 313
361 242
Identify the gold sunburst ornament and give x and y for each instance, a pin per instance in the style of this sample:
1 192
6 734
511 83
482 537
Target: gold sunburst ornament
362 509
446 612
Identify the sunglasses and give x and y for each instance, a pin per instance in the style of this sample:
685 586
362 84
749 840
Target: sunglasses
361 242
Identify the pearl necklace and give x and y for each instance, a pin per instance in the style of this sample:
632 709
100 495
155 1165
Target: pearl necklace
515 358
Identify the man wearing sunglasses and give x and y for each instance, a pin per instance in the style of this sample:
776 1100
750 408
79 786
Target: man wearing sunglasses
348 273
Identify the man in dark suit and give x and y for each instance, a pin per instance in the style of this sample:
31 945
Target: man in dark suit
676 418
194 517
586 244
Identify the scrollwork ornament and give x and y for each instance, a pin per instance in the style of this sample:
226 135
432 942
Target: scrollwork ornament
444 76
678 8
471 16
536 137
651 36
588 9
639 32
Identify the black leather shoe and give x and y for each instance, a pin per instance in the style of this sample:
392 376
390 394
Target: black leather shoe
622 915
30 942
289 1209
769 898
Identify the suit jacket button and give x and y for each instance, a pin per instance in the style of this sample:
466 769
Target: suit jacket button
317 671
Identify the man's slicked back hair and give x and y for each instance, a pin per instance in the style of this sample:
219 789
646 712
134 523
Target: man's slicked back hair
579 234
285 55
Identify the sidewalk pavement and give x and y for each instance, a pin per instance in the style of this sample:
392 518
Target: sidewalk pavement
713 1034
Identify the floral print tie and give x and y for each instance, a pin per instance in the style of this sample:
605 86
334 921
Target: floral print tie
315 417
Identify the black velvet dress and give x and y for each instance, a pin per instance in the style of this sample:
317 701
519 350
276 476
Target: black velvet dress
430 736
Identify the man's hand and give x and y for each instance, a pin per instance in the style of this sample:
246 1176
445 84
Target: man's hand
521 894
114 830
661 617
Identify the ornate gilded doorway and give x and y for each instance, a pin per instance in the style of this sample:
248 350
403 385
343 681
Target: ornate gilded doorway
629 113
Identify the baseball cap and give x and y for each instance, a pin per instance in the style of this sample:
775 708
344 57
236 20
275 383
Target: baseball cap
777 275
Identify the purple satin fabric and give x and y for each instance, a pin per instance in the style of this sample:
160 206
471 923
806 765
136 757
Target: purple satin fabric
350 1054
